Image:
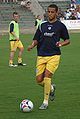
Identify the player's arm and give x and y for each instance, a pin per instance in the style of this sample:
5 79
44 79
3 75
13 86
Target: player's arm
64 36
35 39
34 43
12 31
35 23
63 43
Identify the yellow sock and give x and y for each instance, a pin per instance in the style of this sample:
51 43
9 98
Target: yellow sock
47 87
10 62
41 83
19 59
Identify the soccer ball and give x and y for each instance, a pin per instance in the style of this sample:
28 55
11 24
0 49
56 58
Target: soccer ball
26 105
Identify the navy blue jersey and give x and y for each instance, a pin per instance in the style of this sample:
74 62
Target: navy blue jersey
47 35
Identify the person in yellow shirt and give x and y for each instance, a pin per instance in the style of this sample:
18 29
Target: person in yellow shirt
15 41
38 21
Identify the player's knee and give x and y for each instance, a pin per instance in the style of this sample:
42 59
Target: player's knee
48 74
13 51
22 49
38 79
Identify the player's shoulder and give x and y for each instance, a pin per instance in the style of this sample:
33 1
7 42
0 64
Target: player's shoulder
60 22
12 22
42 25
44 22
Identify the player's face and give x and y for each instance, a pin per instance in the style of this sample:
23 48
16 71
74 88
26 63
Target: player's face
52 14
16 17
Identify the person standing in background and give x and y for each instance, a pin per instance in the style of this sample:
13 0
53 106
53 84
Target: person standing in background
15 41
38 21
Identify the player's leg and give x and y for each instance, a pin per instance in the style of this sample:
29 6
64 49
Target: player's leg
40 79
40 68
11 57
40 71
51 67
12 52
21 49
47 88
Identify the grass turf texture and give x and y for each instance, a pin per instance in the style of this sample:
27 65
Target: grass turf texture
19 83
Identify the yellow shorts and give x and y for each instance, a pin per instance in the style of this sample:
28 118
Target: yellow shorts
50 63
15 44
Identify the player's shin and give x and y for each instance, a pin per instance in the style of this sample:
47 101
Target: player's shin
10 61
47 87
19 60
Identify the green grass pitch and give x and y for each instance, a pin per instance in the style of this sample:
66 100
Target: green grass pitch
19 83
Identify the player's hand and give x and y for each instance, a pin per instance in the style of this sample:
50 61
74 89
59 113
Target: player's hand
29 48
58 44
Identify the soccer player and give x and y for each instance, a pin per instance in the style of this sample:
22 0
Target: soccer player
47 39
38 21
15 41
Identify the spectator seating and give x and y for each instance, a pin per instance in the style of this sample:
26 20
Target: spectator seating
6 9
62 4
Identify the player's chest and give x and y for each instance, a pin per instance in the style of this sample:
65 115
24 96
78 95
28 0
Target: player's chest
50 30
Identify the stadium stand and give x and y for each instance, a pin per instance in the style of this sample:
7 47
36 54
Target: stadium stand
37 9
26 17
62 4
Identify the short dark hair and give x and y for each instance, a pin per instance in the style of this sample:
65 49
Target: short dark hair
15 13
53 6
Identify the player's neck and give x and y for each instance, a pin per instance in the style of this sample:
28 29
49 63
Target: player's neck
15 21
53 20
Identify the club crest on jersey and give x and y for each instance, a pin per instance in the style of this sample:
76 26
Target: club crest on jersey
49 28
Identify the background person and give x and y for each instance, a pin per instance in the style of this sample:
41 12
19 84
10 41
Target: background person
15 41
38 21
